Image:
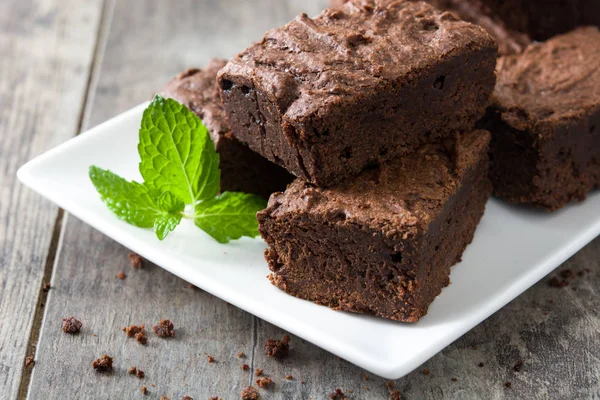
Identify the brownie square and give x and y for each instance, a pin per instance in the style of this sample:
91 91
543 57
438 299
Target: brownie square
545 122
329 96
242 170
509 41
382 243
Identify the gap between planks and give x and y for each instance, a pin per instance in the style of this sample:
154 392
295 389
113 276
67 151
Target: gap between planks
55 241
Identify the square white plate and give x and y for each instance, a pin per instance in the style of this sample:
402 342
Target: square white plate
513 248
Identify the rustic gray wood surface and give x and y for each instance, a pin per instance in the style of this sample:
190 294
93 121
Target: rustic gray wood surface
54 52
46 48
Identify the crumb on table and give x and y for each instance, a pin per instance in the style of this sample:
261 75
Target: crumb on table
141 338
164 328
277 348
71 325
250 393
103 364
337 395
135 260
132 330
264 382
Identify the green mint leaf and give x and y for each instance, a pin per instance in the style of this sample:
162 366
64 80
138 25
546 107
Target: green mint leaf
170 203
164 224
172 206
229 216
177 154
136 204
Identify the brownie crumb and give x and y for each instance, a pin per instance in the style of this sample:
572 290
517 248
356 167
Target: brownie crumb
475 347
264 383
518 366
366 377
71 325
132 330
214 398
557 283
186 398
210 359
144 390
289 377
507 384
480 365
140 374
277 348
135 260
241 354
164 328
258 372
132 370
426 371
395 395
164 398
46 287
103 364
29 362
245 367
141 338
250 393
337 395
390 385
453 379
580 273
121 275
567 274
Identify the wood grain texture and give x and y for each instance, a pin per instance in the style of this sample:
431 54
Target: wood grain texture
150 42
47 48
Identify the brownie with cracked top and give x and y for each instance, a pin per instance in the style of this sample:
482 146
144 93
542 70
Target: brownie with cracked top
327 97
382 243
242 170
545 121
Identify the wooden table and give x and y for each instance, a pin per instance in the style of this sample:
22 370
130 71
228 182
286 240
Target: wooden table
67 65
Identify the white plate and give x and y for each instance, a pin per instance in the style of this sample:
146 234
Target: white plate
513 248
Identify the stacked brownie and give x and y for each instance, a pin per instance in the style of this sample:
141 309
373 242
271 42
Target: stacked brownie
373 108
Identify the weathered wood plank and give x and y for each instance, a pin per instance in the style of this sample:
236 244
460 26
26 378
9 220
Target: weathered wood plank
552 345
47 49
149 42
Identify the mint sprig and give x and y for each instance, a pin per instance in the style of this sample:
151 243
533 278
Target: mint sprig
180 167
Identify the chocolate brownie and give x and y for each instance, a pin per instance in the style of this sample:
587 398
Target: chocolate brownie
329 96
509 41
382 243
545 122
242 170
